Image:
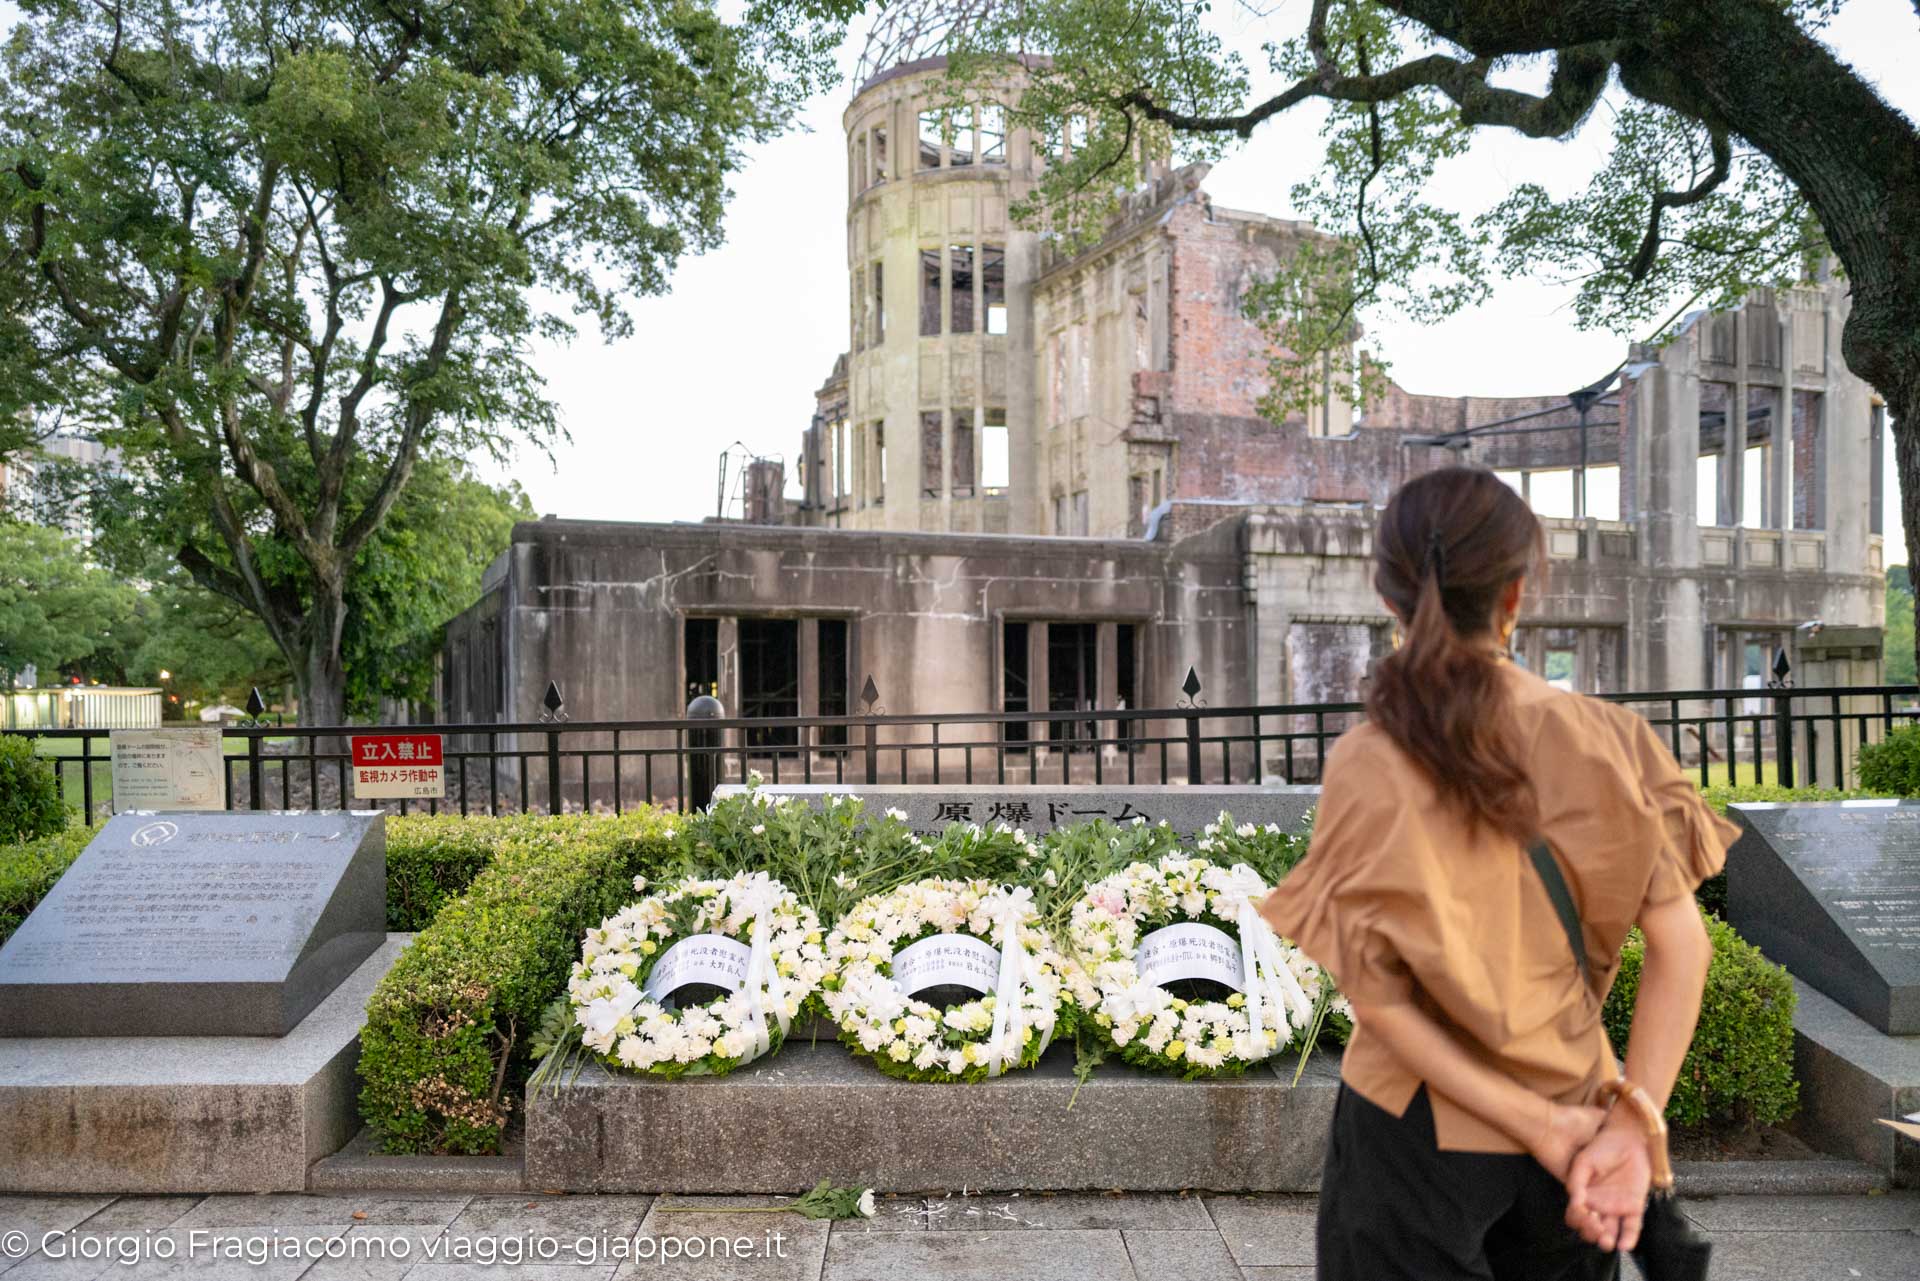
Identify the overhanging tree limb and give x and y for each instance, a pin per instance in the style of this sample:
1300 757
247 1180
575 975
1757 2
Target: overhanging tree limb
1649 250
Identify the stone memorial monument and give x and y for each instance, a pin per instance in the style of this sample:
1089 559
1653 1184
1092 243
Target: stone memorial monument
1041 808
1832 892
224 924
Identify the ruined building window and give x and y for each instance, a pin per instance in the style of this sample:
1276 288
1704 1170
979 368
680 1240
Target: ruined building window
962 454
932 125
1015 691
832 659
1877 470
860 178
1809 462
1073 676
1136 505
702 644
1057 379
1126 662
1077 134
960 267
879 153
1142 332
859 315
877 298
1049 142
1080 513
995 461
770 677
842 472
930 453
1060 515
962 141
929 293
993 134
993 286
879 485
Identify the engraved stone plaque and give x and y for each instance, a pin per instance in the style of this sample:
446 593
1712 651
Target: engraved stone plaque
199 925
1832 892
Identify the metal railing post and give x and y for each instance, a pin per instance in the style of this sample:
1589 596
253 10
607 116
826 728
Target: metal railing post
1191 707
554 716
703 751
1782 691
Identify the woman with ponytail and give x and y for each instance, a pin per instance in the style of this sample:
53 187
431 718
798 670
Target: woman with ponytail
1470 1138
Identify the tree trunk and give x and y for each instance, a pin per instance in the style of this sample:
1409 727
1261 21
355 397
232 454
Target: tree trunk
323 684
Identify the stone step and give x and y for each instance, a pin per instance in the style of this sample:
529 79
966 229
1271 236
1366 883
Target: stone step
362 1167
1852 1075
153 1114
815 1111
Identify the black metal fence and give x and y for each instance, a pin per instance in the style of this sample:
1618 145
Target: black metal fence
556 765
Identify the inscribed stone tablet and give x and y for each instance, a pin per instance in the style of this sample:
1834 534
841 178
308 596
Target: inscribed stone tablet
198 925
1832 892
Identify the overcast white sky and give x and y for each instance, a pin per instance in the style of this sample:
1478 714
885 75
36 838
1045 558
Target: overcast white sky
736 350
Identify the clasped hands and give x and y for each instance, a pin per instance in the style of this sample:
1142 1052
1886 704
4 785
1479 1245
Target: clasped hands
1601 1156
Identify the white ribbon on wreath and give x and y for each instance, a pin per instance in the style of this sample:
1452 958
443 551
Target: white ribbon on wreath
1268 977
1016 964
760 899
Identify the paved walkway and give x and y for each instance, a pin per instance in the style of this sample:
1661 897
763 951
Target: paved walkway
388 1237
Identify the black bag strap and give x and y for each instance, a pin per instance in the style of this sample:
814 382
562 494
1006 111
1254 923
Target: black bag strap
1549 868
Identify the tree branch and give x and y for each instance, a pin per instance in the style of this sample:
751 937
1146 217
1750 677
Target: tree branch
419 417
1649 249
1579 78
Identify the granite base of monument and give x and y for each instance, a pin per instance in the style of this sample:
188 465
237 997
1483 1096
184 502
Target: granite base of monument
1852 1076
186 1113
224 924
779 1124
930 807
1832 892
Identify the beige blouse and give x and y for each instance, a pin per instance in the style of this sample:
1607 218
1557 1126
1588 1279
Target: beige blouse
1403 903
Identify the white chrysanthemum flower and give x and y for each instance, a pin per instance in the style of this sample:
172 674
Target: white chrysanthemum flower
866 1204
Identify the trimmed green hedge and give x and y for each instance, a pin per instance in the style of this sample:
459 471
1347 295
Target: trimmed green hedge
445 1047
1740 1065
30 801
28 870
432 860
1892 765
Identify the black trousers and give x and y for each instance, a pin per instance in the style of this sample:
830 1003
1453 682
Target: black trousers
1394 1207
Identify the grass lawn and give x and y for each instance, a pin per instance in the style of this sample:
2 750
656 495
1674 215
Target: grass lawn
1769 773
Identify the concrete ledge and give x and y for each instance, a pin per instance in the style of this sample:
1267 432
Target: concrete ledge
183 1113
815 1111
1851 1075
361 1167
1777 1178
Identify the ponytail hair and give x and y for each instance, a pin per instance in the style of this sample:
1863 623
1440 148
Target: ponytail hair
1449 543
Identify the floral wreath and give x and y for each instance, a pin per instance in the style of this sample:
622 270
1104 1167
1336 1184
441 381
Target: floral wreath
694 932
1281 998
1009 1026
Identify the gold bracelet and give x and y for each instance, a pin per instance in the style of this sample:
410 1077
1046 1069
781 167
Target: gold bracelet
1654 1123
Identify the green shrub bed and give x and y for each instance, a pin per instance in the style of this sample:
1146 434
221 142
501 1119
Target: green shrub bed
28 870
1892 765
1740 1066
30 801
448 1029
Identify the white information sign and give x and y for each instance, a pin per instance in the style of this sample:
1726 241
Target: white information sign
947 960
700 958
1191 951
167 769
